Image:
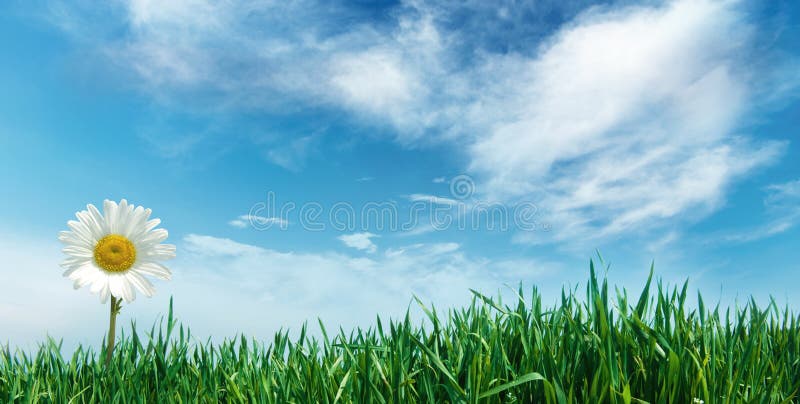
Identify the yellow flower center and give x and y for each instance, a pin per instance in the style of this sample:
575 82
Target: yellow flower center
114 253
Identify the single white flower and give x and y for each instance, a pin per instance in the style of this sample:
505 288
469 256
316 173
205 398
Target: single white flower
111 252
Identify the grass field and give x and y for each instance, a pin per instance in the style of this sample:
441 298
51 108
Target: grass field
592 348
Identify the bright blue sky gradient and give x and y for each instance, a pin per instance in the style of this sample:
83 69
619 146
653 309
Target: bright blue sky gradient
682 148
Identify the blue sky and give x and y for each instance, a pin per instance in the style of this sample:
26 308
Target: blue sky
662 131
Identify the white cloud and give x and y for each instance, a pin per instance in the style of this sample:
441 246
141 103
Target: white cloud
608 138
340 289
437 200
360 241
220 286
200 245
239 223
623 119
372 80
258 222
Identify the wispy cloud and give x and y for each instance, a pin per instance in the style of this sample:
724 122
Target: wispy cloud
258 222
438 200
782 205
292 155
783 196
765 231
423 226
360 241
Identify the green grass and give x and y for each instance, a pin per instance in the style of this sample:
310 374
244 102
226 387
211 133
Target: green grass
588 349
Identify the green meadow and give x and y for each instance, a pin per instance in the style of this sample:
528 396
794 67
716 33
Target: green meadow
599 345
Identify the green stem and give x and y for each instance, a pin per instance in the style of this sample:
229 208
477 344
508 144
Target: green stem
112 327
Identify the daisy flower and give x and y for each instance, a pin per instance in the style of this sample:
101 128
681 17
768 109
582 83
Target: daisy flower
113 251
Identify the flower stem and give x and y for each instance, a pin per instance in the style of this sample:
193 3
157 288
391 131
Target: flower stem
112 327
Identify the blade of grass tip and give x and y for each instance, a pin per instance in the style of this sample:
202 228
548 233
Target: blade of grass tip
492 303
682 296
533 376
599 257
701 307
591 288
428 313
517 292
324 332
641 305
170 320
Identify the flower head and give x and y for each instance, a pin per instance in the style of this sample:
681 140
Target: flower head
111 252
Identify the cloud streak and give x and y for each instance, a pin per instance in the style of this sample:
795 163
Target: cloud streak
258 222
782 205
360 241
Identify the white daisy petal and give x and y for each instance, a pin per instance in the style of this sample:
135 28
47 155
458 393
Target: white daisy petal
81 282
141 283
124 213
69 238
128 291
136 223
147 225
93 229
75 265
69 271
151 224
80 231
161 252
97 275
76 251
104 294
115 285
65 236
79 272
110 214
154 237
88 275
99 283
98 219
154 269
86 218
121 287
74 261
